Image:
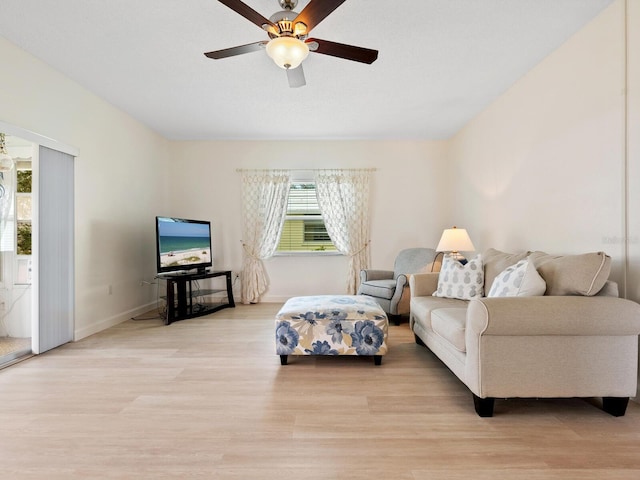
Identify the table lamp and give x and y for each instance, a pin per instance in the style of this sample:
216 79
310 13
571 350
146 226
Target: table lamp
455 240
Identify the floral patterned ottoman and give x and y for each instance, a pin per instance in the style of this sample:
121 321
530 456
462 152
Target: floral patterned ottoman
331 325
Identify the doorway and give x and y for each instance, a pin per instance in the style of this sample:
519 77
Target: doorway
16 160
36 244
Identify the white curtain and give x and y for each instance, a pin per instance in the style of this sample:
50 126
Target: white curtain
343 197
264 199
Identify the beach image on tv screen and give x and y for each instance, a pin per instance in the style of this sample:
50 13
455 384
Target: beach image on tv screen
183 243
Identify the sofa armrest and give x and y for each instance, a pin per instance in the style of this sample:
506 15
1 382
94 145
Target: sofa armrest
553 315
423 284
370 274
610 289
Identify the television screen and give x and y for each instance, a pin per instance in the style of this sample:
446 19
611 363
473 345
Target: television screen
182 244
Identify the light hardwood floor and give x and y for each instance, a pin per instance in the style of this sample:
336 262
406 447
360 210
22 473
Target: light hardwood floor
207 398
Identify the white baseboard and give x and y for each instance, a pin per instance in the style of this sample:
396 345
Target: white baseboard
275 298
111 321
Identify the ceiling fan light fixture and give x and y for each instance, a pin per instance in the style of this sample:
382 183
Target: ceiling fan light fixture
299 29
287 52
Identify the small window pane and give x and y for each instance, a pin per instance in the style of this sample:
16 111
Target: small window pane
302 200
315 231
23 202
304 229
24 181
24 238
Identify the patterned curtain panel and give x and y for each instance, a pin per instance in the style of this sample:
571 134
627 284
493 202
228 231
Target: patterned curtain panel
343 197
264 203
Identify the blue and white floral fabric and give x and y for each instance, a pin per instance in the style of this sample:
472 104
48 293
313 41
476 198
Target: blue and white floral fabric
331 325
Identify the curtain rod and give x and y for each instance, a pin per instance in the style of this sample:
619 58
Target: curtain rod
305 169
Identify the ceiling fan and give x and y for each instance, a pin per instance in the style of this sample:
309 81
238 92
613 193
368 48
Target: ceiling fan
289 31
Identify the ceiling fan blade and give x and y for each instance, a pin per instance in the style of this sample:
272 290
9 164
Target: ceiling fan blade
247 12
348 52
316 11
296 77
239 50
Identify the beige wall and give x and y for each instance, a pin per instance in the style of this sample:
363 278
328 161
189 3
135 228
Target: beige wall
542 167
120 177
407 200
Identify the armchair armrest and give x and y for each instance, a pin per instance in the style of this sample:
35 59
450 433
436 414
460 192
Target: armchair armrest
388 291
370 274
423 284
553 315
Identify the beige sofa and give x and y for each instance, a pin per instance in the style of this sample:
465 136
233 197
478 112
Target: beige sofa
573 337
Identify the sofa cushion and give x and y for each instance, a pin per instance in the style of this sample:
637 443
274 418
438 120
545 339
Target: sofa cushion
519 280
384 288
583 274
496 261
449 323
459 281
421 308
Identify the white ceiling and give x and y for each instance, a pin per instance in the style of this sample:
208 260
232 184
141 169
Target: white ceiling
440 63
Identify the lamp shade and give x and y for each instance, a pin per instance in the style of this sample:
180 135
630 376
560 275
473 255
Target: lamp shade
455 240
287 52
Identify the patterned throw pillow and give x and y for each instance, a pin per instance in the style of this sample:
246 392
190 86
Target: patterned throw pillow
519 280
495 261
463 282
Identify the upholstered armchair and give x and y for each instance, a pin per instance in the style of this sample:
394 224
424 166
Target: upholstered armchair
390 288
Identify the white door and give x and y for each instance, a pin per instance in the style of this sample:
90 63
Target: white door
54 261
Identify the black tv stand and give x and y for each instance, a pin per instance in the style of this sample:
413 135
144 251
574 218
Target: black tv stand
180 295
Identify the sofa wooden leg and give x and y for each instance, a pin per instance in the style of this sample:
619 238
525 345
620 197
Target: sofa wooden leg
283 359
395 318
616 406
377 359
419 340
483 406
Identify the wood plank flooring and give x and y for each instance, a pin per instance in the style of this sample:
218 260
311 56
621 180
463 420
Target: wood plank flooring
207 398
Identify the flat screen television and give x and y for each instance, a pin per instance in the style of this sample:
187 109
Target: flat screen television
183 244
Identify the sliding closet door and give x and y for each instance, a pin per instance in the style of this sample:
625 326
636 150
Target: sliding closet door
55 249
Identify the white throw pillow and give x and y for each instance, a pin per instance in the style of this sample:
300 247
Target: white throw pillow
463 282
519 280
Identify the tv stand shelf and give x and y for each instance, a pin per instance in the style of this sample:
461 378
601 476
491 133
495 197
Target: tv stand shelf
183 301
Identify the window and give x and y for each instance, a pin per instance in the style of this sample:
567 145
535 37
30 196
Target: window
23 217
23 210
304 229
